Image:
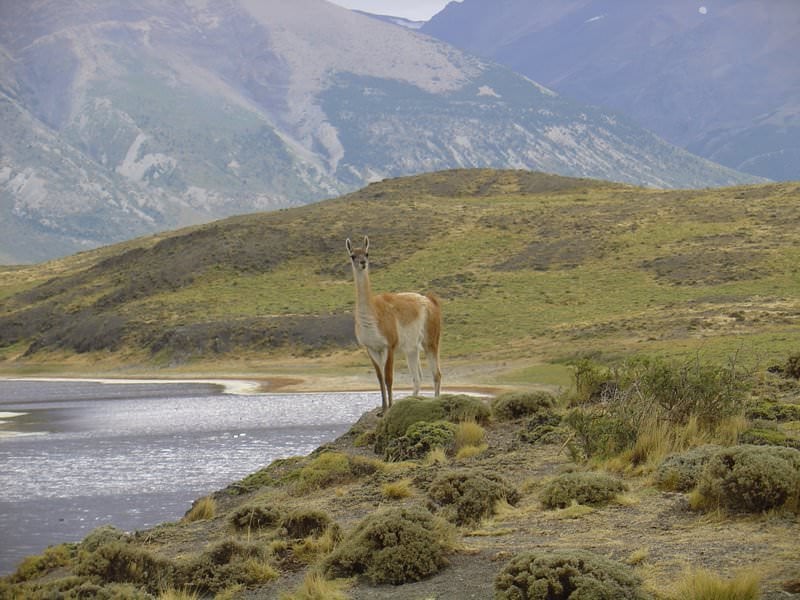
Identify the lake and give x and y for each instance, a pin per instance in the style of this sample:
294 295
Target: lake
75 455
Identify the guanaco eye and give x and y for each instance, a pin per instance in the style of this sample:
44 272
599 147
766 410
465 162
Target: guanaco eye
366 255
352 257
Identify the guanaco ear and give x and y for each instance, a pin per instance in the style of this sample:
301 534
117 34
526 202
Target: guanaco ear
349 246
366 243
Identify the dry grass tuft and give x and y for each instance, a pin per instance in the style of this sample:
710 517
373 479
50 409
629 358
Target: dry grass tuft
316 587
202 510
397 490
469 433
699 584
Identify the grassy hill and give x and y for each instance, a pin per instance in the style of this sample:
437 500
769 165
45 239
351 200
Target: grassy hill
534 270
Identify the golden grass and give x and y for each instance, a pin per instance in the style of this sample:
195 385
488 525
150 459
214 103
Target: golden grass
202 510
469 433
437 456
468 452
700 584
397 490
316 587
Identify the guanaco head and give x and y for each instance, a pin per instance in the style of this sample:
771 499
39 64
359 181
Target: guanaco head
359 257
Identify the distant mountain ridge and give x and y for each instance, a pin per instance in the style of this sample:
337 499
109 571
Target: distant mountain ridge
120 119
717 78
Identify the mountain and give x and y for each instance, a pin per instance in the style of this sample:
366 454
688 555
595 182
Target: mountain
402 21
530 267
719 78
121 119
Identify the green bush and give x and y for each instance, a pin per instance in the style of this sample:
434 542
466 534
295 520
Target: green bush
515 405
119 562
462 407
542 427
773 411
102 535
402 415
52 558
255 516
673 391
680 472
582 487
330 468
325 469
302 523
750 478
465 497
224 564
766 433
421 438
396 545
792 367
576 575
601 434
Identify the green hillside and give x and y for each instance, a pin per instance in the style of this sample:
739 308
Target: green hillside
534 270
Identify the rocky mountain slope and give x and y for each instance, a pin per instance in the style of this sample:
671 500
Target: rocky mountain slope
717 78
123 119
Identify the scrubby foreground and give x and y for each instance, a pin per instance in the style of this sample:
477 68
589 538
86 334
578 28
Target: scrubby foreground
627 487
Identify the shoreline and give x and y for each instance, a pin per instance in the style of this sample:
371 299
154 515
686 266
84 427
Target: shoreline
229 386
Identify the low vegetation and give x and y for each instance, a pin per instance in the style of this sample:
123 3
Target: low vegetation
574 575
512 519
582 488
396 546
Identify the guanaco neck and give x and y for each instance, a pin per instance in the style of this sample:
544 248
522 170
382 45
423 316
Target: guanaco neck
364 310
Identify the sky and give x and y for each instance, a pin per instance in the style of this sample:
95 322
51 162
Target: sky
416 10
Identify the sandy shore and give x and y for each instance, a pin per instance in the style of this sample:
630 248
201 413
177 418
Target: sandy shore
229 386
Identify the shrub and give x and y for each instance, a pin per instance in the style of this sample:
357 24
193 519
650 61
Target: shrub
119 562
468 496
583 487
396 545
515 405
330 468
302 523
462 407
421 438
749 478
792 367
576 575
324 470
542 427
255 516
102 535
35 566
600 434
402 415
672 391
766 433
774 411
680 472
226 563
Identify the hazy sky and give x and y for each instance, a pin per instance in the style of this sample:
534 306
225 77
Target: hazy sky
417 10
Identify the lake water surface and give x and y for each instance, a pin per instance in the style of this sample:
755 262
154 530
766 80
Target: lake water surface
76 455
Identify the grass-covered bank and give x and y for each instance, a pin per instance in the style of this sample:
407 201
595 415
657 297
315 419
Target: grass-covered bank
648 478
